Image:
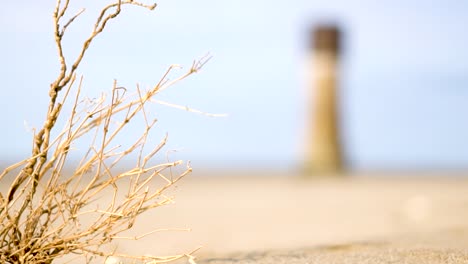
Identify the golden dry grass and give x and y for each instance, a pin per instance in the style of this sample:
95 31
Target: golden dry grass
47 213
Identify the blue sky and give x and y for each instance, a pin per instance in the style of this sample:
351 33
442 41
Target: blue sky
403 94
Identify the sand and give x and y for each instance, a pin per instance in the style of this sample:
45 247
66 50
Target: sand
327 220
349 254
262 217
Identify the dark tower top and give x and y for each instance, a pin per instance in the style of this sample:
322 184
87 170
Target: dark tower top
326 38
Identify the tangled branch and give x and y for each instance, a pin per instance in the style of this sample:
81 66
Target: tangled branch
42 213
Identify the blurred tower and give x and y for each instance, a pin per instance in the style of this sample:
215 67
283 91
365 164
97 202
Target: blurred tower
323 150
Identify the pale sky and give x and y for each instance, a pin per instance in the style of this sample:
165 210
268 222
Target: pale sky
404 86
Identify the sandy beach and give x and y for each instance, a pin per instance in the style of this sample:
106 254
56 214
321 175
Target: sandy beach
245 218
278 218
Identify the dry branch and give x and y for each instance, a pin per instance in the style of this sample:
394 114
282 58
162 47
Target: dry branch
42 213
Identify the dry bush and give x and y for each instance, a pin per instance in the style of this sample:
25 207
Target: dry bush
41 214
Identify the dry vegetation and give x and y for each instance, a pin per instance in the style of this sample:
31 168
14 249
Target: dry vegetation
41 214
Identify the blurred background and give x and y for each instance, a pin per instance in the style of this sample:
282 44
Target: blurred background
327 86
401 92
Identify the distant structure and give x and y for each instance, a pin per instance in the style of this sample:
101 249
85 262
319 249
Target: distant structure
323 150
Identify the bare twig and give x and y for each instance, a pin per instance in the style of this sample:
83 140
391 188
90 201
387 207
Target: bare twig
42 213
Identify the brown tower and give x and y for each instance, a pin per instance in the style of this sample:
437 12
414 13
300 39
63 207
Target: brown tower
323 150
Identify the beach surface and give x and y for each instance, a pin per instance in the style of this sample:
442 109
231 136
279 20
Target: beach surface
275 218
261 217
